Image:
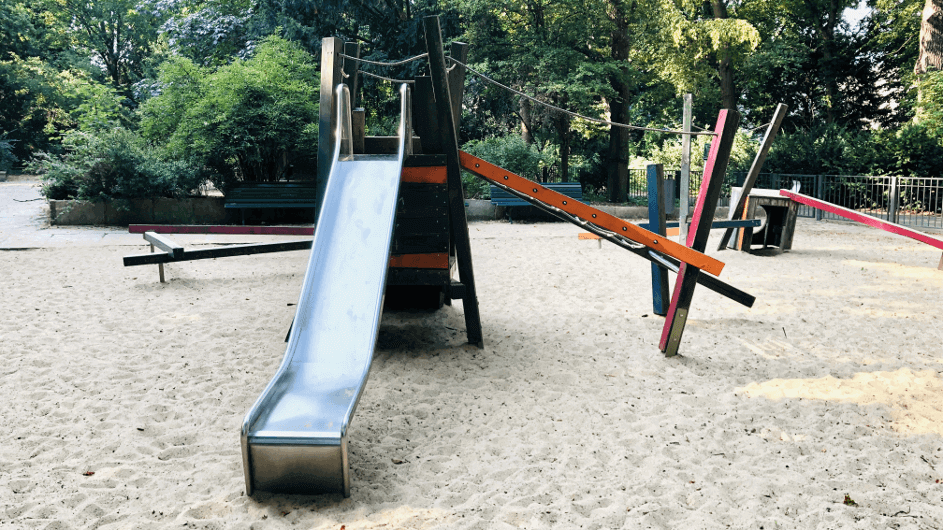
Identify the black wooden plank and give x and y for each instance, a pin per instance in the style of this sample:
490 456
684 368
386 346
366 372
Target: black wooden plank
219 252
402 276
431 160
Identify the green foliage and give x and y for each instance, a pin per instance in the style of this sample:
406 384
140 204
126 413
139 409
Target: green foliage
666 150
511 153
117 164
930 106
7 158
247 120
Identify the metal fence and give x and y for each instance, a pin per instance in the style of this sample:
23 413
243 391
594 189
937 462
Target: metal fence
915 202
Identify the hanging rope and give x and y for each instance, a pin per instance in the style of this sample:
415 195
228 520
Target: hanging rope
390 79
377 63
573 114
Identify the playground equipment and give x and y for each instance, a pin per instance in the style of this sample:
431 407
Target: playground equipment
391 223
777 231
874 222
294 438
657 223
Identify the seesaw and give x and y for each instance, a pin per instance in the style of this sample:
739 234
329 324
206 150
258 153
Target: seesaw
873 222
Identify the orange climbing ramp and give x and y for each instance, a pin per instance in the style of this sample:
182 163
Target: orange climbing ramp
586 216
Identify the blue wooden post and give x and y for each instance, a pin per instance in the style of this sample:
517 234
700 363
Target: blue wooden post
656 221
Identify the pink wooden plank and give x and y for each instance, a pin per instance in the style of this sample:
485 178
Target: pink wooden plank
887 226
224 229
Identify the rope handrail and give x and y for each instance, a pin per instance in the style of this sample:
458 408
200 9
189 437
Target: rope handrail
390 79
573 114
378 63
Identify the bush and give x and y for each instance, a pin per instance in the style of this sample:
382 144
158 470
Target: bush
245 120
7 158
510 152
116 164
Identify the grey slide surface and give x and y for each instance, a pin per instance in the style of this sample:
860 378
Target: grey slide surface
294 439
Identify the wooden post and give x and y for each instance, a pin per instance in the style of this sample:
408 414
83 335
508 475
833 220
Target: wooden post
352 71
160 266
893 200
656 223
685 170
819 194
711 184
940 267
736 211
459 51
331 76
358 125
457 222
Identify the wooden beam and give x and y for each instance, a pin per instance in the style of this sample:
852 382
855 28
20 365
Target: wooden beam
714 170
224 229
541 194
685 191
352 72
218 252
655 173
167 245
873 222
736 211
458 224
331 76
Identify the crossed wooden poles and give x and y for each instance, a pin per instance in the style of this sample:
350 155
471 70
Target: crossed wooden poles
687 260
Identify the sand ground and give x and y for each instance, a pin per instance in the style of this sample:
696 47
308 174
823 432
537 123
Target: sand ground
820 407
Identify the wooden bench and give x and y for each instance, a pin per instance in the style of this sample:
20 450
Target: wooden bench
500 197
298 194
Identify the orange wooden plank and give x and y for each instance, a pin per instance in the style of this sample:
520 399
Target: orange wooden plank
587 213
436 260
424 175
588 235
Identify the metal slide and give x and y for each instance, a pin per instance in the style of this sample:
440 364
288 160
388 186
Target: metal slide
294 438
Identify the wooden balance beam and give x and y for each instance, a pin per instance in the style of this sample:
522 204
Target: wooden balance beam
873 222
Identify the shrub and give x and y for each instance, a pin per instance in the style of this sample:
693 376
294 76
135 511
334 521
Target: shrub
245 120
510 152
7 158
115 164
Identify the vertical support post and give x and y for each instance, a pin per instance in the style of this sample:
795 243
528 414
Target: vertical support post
458 224
819 194
893 205
331 76
701 221
358 124
735 212
160 266
940 267
351 72
685 191
459 51
656 223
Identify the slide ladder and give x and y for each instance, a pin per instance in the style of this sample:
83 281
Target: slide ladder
294 438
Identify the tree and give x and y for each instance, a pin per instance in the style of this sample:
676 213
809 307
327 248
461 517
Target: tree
247 120
931 38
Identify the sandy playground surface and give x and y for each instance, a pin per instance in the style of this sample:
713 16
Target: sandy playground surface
821 407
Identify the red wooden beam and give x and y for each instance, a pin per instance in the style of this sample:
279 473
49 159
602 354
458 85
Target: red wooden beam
224 229
887 226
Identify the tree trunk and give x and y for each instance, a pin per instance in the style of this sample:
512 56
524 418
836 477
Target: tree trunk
563 134
728 92
617 156
526 122
931 38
